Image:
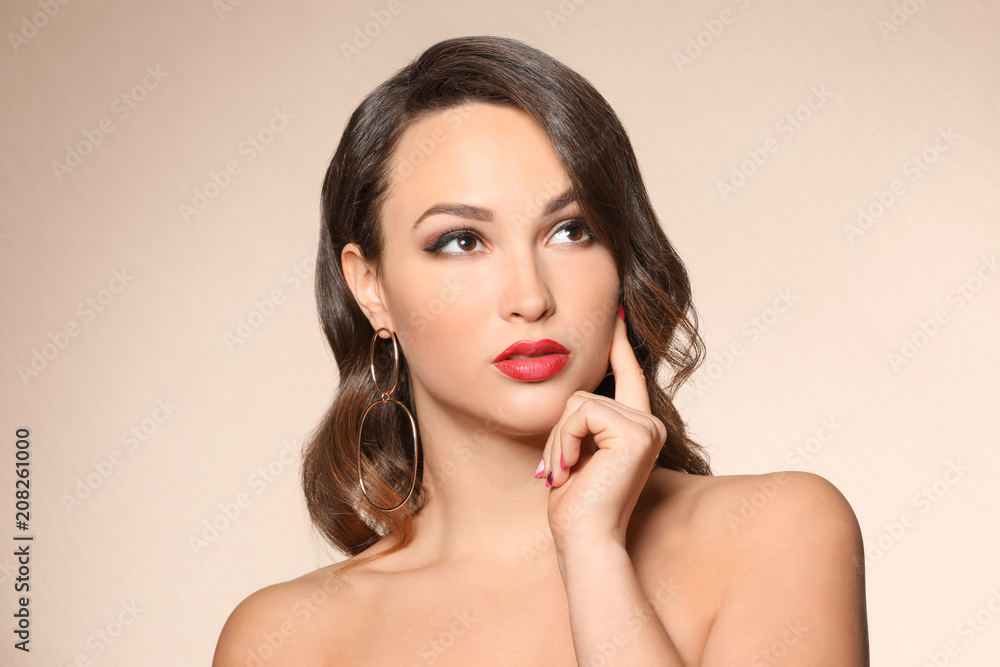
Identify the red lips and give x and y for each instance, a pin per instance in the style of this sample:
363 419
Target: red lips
544 346
550 358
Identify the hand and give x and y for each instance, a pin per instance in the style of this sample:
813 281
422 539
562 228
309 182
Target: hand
609 448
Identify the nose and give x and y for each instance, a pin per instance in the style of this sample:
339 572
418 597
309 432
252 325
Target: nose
524 288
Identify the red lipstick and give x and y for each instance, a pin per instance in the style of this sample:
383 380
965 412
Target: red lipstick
547 358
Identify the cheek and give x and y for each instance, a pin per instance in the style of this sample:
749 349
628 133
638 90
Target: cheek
423 298
591 285
590 298
438 320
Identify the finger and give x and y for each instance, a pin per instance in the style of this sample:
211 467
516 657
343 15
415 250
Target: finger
630 381
576 436
547 455
557 457
552 452
566 452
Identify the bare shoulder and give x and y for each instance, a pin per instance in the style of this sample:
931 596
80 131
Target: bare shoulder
786 551
777 506
755 506
301 621
767 519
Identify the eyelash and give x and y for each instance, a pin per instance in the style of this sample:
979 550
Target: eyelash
461 232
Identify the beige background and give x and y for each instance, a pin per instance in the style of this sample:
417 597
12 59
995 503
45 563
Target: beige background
894 77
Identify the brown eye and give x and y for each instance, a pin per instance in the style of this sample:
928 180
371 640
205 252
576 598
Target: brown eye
467 242
575 231
455 242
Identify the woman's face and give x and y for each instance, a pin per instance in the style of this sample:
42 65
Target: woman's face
492 267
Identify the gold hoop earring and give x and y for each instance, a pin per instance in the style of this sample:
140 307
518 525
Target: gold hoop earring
385 397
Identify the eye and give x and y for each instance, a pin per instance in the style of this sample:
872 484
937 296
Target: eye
462 242
575 231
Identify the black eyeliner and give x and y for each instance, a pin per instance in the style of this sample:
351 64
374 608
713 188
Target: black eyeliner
448 236
451 234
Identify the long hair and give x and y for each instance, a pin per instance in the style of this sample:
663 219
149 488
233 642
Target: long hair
598 158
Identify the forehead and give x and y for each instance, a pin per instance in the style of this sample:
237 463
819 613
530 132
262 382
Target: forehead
481 154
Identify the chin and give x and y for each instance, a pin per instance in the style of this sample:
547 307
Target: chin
531 407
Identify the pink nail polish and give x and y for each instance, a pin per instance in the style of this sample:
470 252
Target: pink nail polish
541 467
621 312
562 464
548 480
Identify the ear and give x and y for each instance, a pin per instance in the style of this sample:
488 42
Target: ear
365 287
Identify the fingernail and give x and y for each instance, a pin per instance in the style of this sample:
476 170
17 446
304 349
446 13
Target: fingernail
621 312
541 467
561 463
548 480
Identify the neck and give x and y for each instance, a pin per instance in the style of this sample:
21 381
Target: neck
484 502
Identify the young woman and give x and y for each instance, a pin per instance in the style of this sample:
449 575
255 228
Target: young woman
503 462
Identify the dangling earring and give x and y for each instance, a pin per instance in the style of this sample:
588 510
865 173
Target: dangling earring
386 398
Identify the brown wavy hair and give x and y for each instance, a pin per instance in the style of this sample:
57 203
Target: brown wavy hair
596 153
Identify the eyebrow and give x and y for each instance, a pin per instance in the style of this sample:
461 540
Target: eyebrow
486 215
